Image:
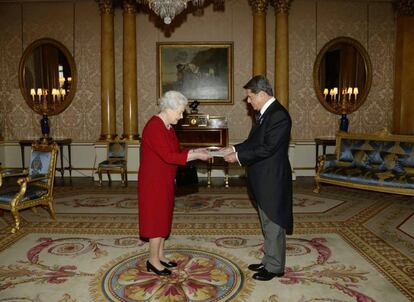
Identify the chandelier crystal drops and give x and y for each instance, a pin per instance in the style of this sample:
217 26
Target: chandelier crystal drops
168 9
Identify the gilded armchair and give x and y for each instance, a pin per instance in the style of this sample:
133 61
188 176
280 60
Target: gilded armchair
116 161
35 186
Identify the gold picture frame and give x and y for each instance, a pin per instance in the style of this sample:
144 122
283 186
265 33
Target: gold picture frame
199 70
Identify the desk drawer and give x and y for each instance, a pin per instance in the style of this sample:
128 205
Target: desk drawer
199 137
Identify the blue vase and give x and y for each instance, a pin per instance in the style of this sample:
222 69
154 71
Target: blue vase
343 123
44 125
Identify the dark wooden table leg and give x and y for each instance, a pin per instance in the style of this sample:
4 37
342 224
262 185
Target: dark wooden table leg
62 169
70 161
22 154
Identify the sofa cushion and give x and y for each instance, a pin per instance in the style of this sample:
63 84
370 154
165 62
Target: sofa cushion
351 174
375 157
401 148
347 145
393 162
409 151
369 177
390 179
361 158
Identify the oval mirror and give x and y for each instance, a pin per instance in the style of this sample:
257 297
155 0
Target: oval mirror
342 75
47 76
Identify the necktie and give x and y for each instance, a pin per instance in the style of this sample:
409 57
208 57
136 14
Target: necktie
258 116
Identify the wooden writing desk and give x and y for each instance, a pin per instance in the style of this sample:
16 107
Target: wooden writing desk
212 134
60 142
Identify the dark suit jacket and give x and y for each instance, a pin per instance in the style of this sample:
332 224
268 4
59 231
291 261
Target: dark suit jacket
265 154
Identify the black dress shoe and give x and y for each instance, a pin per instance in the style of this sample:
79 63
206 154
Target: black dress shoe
265 275
151 268
256 267
169 264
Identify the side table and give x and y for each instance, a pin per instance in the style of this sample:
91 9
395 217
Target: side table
61 143
323 141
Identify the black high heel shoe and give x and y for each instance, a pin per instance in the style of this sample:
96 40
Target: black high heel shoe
169 264
151 268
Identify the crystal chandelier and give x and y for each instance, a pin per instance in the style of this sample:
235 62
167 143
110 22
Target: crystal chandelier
168 9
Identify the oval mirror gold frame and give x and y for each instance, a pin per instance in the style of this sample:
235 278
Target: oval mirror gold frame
344 64
47 76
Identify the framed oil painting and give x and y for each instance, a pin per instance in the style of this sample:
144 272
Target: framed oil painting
200 71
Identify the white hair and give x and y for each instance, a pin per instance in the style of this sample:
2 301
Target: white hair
172 100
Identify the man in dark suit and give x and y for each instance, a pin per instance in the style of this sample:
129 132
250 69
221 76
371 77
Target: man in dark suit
265 155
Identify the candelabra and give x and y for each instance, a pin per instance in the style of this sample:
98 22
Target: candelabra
46 103
342 102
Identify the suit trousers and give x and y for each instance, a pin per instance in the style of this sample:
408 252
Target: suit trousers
274 244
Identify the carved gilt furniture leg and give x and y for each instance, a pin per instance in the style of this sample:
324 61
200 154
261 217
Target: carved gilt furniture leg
16 217
317 188
51 209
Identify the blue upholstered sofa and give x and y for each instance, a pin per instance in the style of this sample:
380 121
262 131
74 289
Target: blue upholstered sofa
379 161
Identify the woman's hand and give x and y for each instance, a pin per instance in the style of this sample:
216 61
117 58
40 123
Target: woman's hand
200 149
200 153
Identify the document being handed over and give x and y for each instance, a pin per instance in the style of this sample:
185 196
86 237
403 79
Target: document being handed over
215 152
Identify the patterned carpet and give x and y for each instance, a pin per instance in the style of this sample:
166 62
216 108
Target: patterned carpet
348 245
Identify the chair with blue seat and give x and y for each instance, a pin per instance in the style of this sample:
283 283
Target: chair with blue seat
116 161
35 186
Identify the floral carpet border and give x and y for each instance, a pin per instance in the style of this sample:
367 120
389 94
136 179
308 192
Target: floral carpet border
392 264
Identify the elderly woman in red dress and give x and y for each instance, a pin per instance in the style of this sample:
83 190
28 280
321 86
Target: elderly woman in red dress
160 156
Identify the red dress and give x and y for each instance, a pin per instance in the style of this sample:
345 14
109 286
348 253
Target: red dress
160 156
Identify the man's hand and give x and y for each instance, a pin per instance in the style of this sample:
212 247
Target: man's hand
231 157
226 150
